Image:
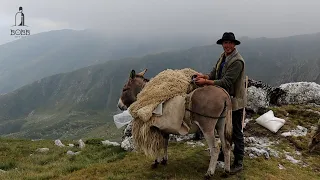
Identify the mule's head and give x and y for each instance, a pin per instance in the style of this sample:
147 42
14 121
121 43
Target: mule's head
131 89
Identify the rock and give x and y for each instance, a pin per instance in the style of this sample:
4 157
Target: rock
299 131
81 144
272 93
194 144
127 144
259 84
220 165
274 96
256 151
256 99
73 153
252 156
109 143
314 105
256 147
273 153
292 160
42 150
286 134
179 138
127 140
262 95
59 143
281 167
71 145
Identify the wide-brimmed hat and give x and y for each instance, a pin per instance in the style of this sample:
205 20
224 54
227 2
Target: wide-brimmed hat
228 36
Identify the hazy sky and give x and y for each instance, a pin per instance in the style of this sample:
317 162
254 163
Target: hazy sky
253 18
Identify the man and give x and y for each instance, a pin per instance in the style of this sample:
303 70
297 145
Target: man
228 73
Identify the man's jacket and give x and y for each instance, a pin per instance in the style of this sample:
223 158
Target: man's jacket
232 78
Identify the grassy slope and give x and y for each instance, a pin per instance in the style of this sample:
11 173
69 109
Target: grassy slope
100 162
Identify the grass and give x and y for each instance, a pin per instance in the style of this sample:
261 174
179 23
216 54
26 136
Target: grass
186 162
21 160
18 157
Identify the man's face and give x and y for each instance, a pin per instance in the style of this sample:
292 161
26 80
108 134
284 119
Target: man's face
228 46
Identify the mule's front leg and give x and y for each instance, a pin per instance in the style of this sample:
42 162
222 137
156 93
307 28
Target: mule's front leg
165 157
163 160
156 163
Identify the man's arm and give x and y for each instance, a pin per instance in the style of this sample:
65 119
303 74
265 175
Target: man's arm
231 75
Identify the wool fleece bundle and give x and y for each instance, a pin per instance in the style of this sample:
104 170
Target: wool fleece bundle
166 85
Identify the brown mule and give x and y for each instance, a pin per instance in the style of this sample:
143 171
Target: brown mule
211 109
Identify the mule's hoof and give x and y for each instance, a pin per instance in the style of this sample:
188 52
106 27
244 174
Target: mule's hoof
225 174
154 165
207 176
164 162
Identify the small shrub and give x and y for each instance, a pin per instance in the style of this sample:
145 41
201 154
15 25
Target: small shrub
7 165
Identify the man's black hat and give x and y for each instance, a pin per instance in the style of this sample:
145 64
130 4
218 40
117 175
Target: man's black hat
228 36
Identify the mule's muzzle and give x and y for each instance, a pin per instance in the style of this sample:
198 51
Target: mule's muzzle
121 105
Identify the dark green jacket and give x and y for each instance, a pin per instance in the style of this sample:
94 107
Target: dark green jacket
232 78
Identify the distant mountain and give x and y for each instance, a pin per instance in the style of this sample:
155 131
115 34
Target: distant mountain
281 60
80 102
37 56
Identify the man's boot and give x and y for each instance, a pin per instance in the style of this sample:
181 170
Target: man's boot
237 165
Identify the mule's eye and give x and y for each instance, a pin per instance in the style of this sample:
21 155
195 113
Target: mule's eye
125 89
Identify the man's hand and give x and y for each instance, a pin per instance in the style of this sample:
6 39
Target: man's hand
201 81
200 75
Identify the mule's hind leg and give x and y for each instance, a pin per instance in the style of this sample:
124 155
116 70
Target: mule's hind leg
226 148
208 133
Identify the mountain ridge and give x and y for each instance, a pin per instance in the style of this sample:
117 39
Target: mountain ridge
93 91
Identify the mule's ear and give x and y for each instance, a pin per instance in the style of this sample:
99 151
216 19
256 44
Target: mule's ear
142 72
133 74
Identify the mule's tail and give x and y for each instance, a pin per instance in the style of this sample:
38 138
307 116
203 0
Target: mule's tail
228 126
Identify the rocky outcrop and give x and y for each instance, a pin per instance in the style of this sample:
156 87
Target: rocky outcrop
261 95
300 93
